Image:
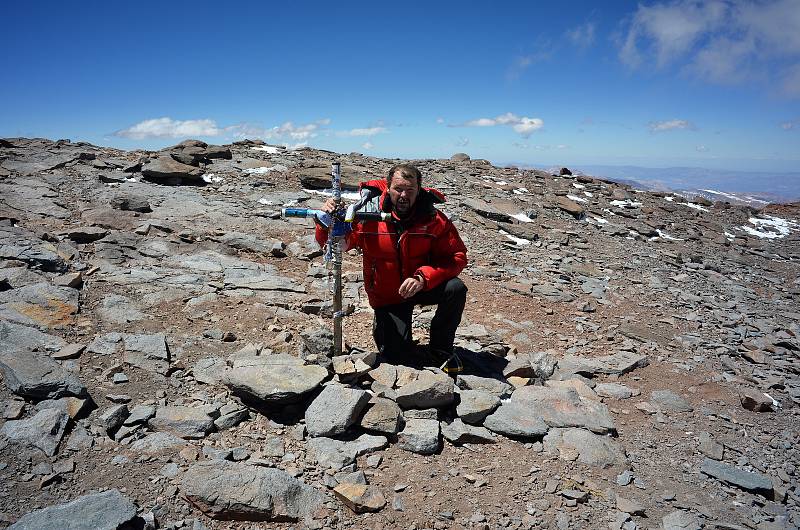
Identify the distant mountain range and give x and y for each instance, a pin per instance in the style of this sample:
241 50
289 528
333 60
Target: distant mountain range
749 187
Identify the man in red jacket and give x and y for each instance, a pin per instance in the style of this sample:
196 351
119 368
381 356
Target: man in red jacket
413 259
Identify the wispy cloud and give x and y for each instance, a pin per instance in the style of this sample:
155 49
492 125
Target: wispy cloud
523 125
669 125
582 36
462 141
367 145
701 149
719 41
368 131
440 120
791 124
169 128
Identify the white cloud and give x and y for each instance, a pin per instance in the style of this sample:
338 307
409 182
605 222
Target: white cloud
286 131
369 131
719 41
523 62
523 125
789 125
702 149
440 120
462 142
169 128
583 35
367 145
670 125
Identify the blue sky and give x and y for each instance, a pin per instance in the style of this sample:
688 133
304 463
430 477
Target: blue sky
655 84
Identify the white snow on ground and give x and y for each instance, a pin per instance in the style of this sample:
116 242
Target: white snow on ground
599 220
722 193
695 206
749 198
588 194
664 235
579 186
520 191
348 195
609 212
576 198
501 182
522 217
669 198
268 202
627 203
210 177
130 179
266 148
770 227
517 240
729 235
264 170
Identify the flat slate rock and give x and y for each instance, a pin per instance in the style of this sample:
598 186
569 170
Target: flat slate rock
515 420
587 447
185 422
157 442
109 510
38 377
420 436
618 363
383 415
16 338
329 452
42 305
235 491
427 390
752 482
565 408
335 409
42 431
21 245
457 432
274 379
360 498
669 400
489 385
165 167
475 405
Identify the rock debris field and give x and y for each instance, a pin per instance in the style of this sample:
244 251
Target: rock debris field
632 358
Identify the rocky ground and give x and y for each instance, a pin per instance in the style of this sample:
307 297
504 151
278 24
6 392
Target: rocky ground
632 357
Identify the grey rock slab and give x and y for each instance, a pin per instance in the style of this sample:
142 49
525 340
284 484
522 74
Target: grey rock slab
329 452
86 234
73 406
710 447
487 210
495 387
670 401
149 352
457 432
42 305
475 405
681 520
618 363
752 482
334 410
117 309
232 419
516 420
428 390
15 338
756 401
37 376
140 414
383 415
109 510
236 491
562 407
540 365
185 422
209 370
613 390
420 436
43 431
157 442
585 446
165 167
21 245
261 281
113 417
274 379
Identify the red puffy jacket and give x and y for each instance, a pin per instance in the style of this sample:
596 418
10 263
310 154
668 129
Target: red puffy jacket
427 245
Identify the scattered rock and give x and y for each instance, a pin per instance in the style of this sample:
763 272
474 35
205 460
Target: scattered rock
420 436
753 482
359 497
335 409
109 510
43 431
37 376
274 379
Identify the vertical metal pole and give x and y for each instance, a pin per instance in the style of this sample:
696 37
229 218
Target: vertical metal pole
335 242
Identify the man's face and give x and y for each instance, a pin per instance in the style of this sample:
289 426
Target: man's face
403 193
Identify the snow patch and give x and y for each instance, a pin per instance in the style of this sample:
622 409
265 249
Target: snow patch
210 177
588 194
695 206
578 186
599 220
517 240
664 235
770 227
669 198
522 217
266 149
349 195
264 170
576 198
520 191
627 203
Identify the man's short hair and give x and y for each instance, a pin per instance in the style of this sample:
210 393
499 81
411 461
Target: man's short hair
407 171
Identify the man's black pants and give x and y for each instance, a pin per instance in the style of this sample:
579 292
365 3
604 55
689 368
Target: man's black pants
391 328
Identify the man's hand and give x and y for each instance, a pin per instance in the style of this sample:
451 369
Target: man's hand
330 206
411 286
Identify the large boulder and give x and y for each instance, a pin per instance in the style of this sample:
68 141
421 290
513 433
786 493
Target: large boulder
186 422
564 407
335 409
166 167
420 436
587 447
36 376
515 420
109 510
43 431
234 491
329 452
274 379
428 390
